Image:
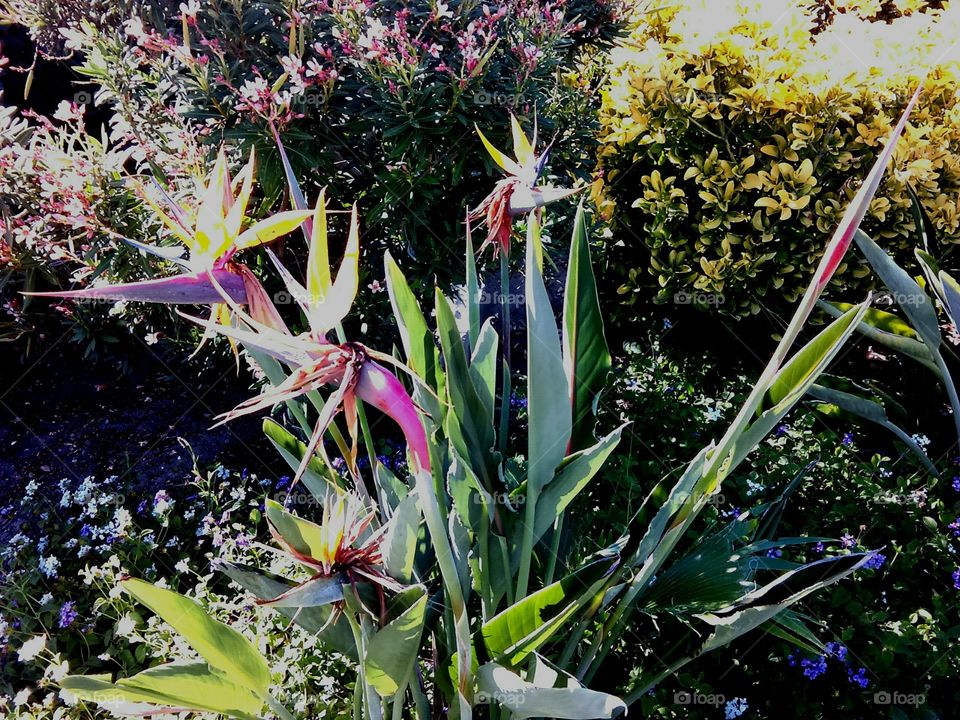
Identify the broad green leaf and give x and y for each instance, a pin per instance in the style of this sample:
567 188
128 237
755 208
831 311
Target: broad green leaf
392 652
906 292
523 699
224 649
189 685
890 331
469 425
548 389
483 366
951 296
393 489
766 602
804 367
315 477
301 536
419 345
573 475
586 357
399 547
872 411
315 620
519 630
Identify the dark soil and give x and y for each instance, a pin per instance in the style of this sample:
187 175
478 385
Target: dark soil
65 416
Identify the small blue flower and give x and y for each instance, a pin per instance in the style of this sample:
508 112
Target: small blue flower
735 708
819 548
955 527
781 430
667 324
848 541
859 677
875 562
814 668
68 614
956 483
956 579
774 553
848 439
837 650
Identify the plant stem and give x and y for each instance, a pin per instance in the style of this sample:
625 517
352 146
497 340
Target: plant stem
526 545
505 330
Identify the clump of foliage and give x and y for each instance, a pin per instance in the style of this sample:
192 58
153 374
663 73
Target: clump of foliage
733 137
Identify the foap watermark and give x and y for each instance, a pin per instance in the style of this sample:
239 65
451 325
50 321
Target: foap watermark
499 298
84 97
507 100
688 697
890 298
883 697
684 297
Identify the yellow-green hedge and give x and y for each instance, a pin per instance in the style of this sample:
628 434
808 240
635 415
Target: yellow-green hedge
733 136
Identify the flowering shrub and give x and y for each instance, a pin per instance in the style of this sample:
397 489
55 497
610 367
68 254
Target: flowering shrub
733 138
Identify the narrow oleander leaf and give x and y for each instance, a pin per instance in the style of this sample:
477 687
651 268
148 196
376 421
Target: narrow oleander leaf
225 650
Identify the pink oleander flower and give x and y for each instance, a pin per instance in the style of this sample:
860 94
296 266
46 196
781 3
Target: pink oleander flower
518 193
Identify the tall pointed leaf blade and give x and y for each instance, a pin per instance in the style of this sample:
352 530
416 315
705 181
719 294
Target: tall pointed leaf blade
586 357
187 685
520 629
315 477
392 652
573 475
304 537
812 359
473 291
336 305
226 650
419 346
548 389
908 294
483 365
